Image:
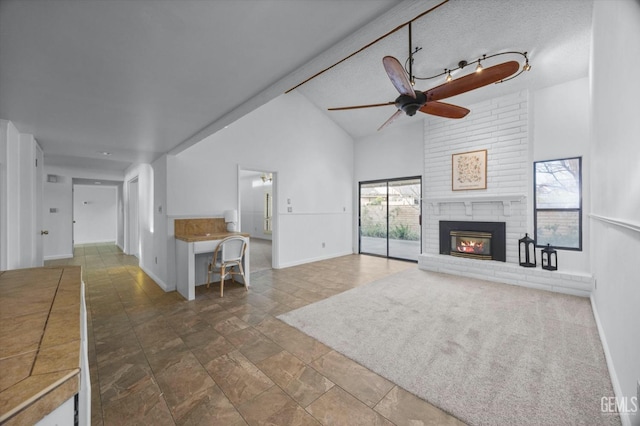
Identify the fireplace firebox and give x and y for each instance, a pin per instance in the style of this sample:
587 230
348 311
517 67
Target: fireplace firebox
476 240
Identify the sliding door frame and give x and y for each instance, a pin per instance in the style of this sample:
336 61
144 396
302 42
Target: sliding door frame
386 182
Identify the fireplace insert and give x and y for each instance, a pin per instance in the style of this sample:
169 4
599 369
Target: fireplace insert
477 240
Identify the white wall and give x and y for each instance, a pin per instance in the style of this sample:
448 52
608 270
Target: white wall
95 214
10 195
396 151
27 207
313 161
615 200
561 129
163 246
18 198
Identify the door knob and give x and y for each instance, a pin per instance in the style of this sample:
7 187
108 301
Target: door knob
44 232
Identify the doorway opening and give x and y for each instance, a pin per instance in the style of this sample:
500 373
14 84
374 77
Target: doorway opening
133 231
96 212
257 213
390 217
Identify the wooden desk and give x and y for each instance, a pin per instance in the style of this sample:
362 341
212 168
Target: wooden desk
193 253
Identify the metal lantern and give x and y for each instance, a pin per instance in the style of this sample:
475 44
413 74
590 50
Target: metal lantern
549 258
527 252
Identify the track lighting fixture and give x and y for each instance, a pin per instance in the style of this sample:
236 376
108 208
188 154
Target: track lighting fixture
463 63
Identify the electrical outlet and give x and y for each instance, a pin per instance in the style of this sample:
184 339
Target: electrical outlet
322 245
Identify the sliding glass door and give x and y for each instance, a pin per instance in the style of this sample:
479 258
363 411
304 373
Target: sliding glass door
390 217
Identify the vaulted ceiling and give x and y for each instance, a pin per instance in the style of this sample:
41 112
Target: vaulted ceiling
140 78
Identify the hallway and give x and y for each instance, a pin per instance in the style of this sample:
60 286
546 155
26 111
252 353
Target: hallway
158 359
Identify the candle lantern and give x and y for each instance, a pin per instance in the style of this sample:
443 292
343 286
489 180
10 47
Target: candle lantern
549 258
527 252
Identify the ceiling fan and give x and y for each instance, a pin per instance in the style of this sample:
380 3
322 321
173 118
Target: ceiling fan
410 101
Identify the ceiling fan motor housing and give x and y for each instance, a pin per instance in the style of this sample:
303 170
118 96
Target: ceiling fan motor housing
409 104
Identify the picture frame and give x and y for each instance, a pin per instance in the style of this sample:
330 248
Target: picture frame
469 170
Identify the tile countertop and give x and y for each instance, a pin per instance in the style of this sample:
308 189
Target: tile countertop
40 339
208 237
203 229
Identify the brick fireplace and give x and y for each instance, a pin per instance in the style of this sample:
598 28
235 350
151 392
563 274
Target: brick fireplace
501 127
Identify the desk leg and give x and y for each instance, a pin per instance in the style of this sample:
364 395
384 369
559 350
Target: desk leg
247 265
185 269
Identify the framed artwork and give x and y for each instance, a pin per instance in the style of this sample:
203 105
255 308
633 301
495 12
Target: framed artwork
469 170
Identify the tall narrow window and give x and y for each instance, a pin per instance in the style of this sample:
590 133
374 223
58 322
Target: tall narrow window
558 203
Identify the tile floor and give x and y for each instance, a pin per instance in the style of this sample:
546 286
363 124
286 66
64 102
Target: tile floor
158 359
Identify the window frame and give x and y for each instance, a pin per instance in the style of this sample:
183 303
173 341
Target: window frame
573 209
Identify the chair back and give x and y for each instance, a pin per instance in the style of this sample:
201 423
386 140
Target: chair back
232 249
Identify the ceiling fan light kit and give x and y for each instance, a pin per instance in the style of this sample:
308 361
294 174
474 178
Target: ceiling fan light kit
463 63
411 101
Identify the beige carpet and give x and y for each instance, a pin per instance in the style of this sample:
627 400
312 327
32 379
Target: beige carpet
487 353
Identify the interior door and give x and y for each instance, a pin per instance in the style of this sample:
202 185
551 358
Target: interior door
390 218
40 233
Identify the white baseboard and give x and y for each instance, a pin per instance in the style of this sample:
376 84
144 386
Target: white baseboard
157 280
315 259
82 243
59 256
617 390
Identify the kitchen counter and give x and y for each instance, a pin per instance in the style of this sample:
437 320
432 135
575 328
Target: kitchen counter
41 330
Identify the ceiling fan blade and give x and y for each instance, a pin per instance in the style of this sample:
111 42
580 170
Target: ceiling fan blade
398 76
472 81
445 110
361 106
391 119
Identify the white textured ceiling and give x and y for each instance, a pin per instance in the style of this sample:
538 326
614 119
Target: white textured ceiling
555 33
139 78
136 78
